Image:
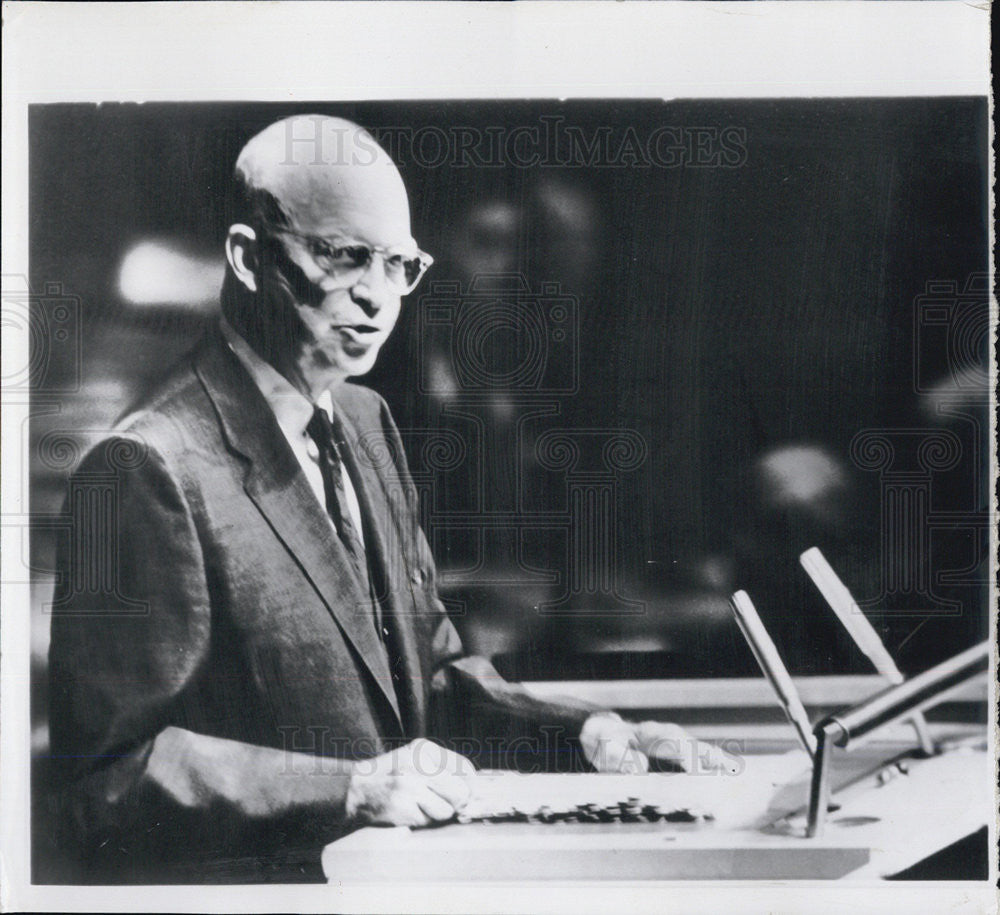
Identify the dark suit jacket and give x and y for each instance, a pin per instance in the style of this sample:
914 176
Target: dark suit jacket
208 638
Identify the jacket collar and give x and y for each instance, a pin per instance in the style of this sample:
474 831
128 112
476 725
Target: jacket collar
291 407
276 485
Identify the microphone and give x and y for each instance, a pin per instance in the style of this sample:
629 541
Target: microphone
853 619
773 667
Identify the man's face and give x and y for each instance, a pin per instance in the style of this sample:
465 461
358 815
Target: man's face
347 307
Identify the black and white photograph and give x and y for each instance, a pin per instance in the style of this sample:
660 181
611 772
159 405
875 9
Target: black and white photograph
519 499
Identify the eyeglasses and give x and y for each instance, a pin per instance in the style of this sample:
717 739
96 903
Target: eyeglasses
343 259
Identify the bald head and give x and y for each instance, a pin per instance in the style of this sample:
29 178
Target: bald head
321 252
325 176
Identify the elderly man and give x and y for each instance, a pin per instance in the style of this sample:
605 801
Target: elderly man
274 658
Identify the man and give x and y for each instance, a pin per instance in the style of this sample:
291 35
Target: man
274 655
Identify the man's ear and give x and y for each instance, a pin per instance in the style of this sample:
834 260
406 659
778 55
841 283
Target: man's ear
241 252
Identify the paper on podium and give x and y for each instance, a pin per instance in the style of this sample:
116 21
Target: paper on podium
764 788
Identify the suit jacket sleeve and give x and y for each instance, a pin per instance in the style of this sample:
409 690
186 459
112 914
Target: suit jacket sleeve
130 633
473 708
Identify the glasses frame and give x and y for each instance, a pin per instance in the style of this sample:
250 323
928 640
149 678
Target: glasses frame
426 261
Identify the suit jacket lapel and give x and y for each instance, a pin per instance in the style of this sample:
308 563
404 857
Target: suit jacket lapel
383 535
277 486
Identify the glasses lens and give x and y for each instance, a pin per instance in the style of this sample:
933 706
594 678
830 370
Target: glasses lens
339 260
404 271
413 269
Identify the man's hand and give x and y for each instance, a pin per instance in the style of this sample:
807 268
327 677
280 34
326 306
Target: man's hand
612 744
671 744
416 785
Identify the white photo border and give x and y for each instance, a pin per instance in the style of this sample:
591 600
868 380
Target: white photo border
299 51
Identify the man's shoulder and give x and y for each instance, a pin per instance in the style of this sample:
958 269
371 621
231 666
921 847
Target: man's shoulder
361 404
164 430
173 414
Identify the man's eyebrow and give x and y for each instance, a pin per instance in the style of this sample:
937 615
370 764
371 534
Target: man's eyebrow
346 240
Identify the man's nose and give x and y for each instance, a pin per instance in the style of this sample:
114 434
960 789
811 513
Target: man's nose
371 289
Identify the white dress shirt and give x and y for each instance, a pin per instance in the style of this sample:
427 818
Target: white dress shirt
293 410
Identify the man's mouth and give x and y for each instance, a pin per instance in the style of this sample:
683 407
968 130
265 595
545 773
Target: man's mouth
357 339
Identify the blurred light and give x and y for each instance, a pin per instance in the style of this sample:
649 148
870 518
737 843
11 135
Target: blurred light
442 381
159 273
494 217
800 475
485 240
570 207
717 572
969 386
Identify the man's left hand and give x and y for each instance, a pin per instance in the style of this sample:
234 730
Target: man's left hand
612 744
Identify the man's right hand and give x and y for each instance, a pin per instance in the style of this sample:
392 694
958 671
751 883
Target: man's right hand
418 784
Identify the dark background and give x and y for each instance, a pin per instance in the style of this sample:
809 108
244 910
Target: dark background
747 321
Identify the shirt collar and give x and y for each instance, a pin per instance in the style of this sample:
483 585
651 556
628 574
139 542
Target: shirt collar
291 407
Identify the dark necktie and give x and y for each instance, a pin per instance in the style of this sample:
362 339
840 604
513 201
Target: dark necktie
321 431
